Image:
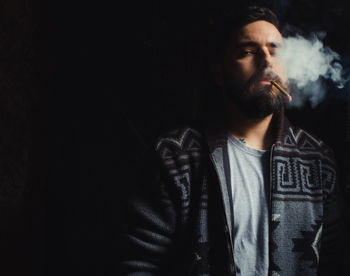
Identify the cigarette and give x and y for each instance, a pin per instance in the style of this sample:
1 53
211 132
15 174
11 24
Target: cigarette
282 90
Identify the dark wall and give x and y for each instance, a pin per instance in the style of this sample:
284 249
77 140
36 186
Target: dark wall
23 138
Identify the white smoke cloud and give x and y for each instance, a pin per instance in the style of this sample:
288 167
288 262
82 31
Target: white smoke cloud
308 61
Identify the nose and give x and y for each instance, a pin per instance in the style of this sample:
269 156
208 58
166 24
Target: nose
264 59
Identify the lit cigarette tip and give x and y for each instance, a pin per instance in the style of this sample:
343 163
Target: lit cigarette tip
282 90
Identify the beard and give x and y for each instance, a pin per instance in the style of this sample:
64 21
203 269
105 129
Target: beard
254 100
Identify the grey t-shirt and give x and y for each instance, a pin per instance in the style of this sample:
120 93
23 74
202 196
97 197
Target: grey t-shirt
248 173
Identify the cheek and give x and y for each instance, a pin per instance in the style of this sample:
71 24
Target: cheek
242 71
281 70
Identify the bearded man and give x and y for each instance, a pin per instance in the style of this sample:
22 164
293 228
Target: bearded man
250 195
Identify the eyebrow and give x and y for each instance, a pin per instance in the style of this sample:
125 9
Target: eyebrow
254 44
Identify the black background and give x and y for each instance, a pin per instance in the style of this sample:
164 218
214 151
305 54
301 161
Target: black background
88 87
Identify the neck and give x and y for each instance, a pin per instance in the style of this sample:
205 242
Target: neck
257 133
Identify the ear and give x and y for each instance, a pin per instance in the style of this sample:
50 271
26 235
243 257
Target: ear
217 73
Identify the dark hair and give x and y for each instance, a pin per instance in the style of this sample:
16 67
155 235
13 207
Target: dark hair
235 20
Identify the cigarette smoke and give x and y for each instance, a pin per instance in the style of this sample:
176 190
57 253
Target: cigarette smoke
308 64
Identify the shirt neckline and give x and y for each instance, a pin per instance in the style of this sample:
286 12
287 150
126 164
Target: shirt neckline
241 146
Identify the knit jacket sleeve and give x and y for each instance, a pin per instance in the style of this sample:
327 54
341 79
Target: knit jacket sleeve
149 227
331 251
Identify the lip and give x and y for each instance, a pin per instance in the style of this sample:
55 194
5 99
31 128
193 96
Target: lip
265 80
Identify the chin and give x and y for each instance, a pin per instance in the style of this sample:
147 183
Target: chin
261 105
256 114
254 101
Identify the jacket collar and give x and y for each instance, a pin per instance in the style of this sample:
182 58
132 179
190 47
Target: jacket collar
216 133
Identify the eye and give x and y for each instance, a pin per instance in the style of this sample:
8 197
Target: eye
273 51
247 52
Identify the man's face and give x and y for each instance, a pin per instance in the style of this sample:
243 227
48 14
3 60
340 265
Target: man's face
250 64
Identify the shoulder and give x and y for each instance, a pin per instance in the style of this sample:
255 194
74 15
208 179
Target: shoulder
311 155
179 140
306 143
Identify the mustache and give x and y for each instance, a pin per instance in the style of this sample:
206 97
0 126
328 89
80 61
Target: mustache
270 75
252 83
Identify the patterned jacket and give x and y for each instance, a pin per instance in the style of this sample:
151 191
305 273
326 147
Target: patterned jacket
184 225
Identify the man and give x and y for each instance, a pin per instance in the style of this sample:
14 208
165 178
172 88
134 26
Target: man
251 195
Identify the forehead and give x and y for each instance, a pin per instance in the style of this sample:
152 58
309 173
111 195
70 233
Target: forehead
261 32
